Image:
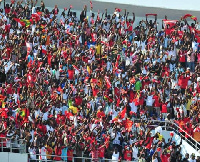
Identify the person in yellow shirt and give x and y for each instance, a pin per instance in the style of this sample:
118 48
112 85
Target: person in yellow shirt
188 104
49 151
98 48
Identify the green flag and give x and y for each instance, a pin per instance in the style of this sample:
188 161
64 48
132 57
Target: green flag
27 22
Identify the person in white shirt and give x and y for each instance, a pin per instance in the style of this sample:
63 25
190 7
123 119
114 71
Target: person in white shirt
32 152
192 158
149 102
135 152
43 154
115 155
155 157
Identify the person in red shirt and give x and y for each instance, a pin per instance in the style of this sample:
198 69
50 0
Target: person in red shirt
101 151
70 154
95 153
189 131
70 74
58 152
165 156
100 113
127 154
157 103
183 82
78 100
164 110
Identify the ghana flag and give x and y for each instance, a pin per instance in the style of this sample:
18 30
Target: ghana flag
27 22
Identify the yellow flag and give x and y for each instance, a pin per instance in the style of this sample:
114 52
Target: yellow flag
3 104
88 69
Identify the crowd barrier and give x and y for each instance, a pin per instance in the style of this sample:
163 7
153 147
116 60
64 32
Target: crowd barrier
74 159
12 145
172 126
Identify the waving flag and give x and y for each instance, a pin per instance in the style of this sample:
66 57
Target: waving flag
118 9
170 23
36 16
150 14
123 113
191 16
27 22
19 21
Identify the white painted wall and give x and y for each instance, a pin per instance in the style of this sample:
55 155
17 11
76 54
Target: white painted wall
13 157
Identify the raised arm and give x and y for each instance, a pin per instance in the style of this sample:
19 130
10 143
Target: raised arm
133 17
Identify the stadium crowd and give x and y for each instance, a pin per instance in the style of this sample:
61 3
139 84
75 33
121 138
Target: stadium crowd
72 85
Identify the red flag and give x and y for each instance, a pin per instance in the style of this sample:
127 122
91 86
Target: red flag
191 16
118 102
68 114
36 16
150 14
118 9
123 113
171 23
19 21
108 82
95 92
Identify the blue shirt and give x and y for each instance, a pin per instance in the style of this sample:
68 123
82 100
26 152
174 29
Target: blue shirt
30 58
64 154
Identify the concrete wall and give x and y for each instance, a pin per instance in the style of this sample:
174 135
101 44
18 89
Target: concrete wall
13 157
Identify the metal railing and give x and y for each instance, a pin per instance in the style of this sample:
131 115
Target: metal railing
16 145
72 158
172 126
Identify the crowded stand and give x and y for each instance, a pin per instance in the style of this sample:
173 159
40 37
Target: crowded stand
73 86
